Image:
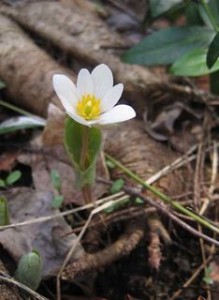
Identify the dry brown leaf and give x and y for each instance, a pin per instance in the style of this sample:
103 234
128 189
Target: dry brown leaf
49 238
8 160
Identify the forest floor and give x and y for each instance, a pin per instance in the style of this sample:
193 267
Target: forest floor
142 247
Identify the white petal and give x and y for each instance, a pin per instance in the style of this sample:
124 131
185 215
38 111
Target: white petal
112 97
77 118
117 114
102 80
84 83
65 90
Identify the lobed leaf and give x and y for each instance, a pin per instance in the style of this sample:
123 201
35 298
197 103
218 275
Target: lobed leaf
168 45
193 64
158 7
213 52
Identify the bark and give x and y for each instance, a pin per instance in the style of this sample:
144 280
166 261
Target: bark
26 69
87 39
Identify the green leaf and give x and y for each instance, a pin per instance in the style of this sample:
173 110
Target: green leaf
214 8
213 81
138 201
57 201
22 122
2 183
213 52
109 164
2 85
158 7
73 142
208 273
168 45
13 177
56 180
117 186
192 13
116 206
29 271
4 213
193 64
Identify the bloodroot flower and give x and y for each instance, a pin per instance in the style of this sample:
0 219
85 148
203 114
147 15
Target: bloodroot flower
92 101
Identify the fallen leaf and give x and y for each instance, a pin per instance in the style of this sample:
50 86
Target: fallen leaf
49 238
8 160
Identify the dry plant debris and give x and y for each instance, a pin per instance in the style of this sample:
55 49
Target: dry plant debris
46 237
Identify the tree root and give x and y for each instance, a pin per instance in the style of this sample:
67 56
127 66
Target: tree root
87 39
26 70
123 246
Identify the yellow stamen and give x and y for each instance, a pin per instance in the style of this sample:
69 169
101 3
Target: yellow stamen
88 107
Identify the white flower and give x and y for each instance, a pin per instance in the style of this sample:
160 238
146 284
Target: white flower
92 100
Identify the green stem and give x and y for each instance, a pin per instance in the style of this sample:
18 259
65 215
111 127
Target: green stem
209 14
84 147
163 197
86 189
15 108
87 194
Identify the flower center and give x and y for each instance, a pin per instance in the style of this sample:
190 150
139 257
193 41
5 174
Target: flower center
88 107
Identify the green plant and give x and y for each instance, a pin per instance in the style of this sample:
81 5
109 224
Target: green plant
12 178
29 270
192 49
56 181
4 212
207 277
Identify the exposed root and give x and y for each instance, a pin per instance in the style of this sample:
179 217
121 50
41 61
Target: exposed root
123 246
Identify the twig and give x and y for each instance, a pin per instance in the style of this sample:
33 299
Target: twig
174 204
125 214
166 211
6 278
191 279
61 214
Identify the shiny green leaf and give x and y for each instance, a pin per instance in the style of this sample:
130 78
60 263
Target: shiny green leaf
116 206
117 186
193 64
29 271
2 84
213 52
57 201
168 45
21 122
2 183
158 7
56 180
13 177
192 13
